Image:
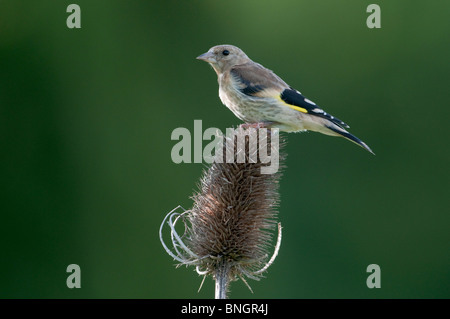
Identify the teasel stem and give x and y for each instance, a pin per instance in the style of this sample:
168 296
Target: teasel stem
222 280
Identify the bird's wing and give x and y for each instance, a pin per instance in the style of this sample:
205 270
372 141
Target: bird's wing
255 80
295 100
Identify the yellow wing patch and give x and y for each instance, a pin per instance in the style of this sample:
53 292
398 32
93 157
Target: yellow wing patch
294 107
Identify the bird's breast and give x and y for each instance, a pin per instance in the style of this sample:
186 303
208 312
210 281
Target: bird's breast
245 107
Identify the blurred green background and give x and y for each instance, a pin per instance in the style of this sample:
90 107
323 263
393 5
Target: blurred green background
86 117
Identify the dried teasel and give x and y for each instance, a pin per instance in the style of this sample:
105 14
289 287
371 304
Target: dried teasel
228 232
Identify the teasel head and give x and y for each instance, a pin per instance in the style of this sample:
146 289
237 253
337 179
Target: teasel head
228 233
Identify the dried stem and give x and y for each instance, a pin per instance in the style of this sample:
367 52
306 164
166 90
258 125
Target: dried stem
222 280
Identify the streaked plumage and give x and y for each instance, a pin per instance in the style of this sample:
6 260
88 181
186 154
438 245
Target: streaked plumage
257 95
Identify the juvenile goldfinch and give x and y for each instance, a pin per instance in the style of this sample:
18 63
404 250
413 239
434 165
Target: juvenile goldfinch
260 98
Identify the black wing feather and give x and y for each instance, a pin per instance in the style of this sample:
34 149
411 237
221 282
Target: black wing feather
294 97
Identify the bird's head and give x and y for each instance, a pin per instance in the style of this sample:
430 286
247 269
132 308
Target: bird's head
224 57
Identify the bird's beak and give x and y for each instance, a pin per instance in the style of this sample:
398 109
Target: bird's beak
207 57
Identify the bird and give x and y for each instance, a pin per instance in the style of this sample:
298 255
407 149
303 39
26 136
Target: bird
261 99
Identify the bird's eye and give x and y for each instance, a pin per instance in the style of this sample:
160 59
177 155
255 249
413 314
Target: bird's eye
225 52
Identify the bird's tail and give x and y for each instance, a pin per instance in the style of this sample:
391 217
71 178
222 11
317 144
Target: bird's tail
350 137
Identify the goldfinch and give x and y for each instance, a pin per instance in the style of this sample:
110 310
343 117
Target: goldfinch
260 98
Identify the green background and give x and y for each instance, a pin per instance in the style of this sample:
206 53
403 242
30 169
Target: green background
85 123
